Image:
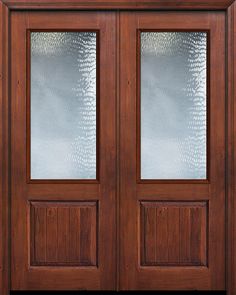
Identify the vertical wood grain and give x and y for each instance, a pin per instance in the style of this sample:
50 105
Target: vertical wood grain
40 239
217 202
4 152
51 234
195 233
63 250
173 233
231 144
162 233
150 234
128 202
74 235
185 236
85 239
64 233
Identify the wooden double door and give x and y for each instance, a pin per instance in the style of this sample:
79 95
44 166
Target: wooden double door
117 150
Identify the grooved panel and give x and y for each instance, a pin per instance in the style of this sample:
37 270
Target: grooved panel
174 233
64 233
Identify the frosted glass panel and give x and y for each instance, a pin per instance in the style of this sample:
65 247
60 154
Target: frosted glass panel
173 105
63 105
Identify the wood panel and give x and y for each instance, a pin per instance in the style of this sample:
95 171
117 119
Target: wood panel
64 233
173 233
118 4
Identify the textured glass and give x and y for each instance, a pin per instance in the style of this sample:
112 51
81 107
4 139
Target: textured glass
173 105
63 105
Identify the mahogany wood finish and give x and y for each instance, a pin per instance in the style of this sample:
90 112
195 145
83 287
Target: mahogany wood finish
93 213
118 4
136 196
231 146
4 152
173 233
63 233
134 275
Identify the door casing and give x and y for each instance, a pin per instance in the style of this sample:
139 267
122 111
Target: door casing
6 8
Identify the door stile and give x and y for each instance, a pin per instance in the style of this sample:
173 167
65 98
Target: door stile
4 150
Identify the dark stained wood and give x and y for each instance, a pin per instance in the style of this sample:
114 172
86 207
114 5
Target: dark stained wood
118 148
186 278
207 254
173 233
180 276
119 4
231 144
76 191
64 233
4 152
169 191
38 241
128 203
88 250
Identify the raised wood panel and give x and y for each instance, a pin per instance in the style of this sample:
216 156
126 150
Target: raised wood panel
174 233
63 233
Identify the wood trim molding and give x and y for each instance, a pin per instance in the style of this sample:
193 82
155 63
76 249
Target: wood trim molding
119 4
231 159
5 8
4 153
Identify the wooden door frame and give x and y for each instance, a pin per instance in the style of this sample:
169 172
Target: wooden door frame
7 6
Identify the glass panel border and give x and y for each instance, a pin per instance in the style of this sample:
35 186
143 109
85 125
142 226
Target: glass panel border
28 107
138 108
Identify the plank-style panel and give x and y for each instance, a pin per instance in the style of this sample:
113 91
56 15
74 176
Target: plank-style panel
38 233
118 4
64 233
174 233
62 236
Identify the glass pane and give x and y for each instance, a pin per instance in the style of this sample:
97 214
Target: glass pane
173 105
63 105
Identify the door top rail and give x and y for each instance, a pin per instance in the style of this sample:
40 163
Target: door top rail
118 4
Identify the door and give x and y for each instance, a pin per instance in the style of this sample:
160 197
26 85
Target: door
84 217
172 160
63 150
